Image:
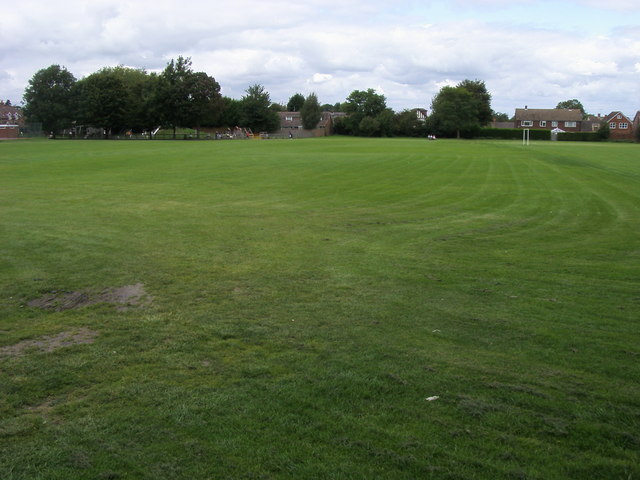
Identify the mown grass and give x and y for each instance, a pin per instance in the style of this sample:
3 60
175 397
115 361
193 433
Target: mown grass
308 296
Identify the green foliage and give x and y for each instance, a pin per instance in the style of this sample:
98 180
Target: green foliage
482 98
186 98
512 133
104 100
604 132
501 117
407 124
369 105
255 112
310 113
229 113
581 137
50 98
327 107
296 102
454 112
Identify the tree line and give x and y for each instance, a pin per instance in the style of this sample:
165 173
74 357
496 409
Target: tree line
118 99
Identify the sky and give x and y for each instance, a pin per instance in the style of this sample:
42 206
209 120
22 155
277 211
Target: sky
528 52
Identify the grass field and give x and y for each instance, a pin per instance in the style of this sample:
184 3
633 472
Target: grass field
300 301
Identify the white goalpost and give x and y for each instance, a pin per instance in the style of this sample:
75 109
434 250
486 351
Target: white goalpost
525 136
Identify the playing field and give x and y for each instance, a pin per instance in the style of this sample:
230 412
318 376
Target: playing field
332 308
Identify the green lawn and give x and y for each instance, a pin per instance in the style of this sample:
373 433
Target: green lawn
306 297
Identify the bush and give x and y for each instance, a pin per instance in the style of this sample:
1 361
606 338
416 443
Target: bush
580 137
512 134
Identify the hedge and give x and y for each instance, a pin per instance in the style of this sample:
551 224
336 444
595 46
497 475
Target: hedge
516 134
580 137
513 134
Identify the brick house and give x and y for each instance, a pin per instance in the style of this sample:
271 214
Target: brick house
620 125
10 121
569 120
591 123
291 125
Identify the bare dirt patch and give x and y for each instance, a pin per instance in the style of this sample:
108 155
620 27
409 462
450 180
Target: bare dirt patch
122 297
50 343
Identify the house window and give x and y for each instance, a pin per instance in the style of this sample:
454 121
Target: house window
623 125
570 124
619 117
554 124
543 123
612 125
526 123
289 118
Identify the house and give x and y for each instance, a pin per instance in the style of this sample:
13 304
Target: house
291 125
10 120
591 123
421 114
569 120
620 125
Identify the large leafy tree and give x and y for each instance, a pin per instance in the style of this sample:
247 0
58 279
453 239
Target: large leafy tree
140 93
118 98
482 97
296 102
255 112
454 112
186 98
229 113
311 112
50 98
366 114
103 101
204 99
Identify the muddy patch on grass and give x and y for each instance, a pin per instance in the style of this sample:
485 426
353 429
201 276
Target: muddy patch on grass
50 343
122 297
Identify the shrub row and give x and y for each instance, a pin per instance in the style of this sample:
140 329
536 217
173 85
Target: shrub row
580 137
516 134
513 134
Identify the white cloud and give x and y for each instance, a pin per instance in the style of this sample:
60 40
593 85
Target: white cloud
407 49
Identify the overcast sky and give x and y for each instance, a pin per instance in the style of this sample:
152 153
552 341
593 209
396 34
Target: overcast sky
528 52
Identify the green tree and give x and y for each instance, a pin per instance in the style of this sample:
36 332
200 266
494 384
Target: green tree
385 122
454 112
50 98
482 97
327 107
604 131
255 112
573 104
296 102
204 99
186 98
103 101
139 92
310 112
407 124
500 117
359 105
229 114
